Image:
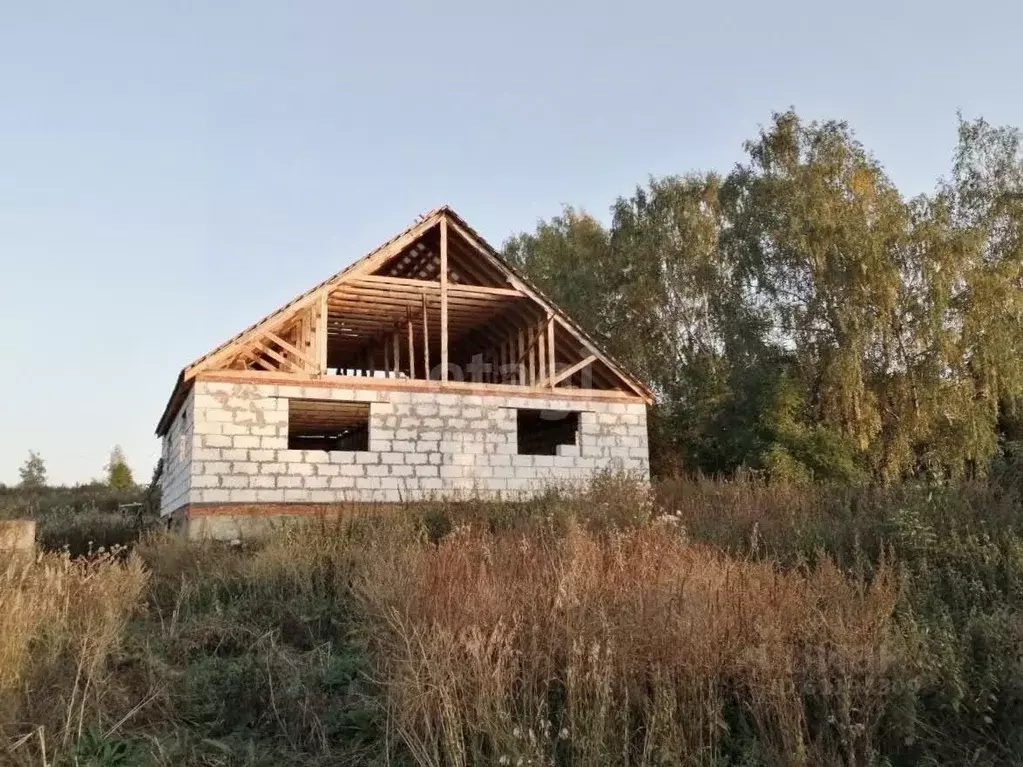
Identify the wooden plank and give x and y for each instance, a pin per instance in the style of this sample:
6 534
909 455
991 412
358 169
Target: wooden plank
571 371
461 387
321 333
444 298
541 354
279 358
306 362
520 377
426 342
404 284
411 348
551 358
529 356
265 365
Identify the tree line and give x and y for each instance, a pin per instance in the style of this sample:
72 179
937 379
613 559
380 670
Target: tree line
801 317
32 473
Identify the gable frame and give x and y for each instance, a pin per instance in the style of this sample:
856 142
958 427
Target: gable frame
316 299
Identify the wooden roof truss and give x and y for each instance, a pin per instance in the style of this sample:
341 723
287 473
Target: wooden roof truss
434 303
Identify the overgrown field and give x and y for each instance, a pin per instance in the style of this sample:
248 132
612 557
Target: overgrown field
712 624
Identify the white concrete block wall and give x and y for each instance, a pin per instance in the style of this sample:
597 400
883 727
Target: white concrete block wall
176 480
422 445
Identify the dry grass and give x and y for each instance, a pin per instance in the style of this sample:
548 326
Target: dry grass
61 620
567 631
634 648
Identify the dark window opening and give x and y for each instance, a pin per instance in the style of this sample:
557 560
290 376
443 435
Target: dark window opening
315 424
541 431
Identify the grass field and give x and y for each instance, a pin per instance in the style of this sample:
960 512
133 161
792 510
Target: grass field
709 623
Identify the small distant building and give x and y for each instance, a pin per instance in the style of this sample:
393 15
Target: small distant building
428 369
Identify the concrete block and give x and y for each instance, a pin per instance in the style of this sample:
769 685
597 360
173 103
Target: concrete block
214 496
234 481
269 496
289 481
216 467
296 495
235 454
262 455
244 467
300 469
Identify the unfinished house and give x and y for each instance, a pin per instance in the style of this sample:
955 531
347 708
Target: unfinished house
427 369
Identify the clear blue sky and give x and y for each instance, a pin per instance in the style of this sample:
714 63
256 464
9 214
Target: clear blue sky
170 172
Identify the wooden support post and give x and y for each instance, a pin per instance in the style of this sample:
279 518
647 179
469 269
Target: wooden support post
321 333
426 342
520 372
529 353
551 359
444 299
541 355
411 346
387 359
396 354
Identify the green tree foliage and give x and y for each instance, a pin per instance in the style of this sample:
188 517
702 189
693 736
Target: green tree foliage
33 471
800 316
118 474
